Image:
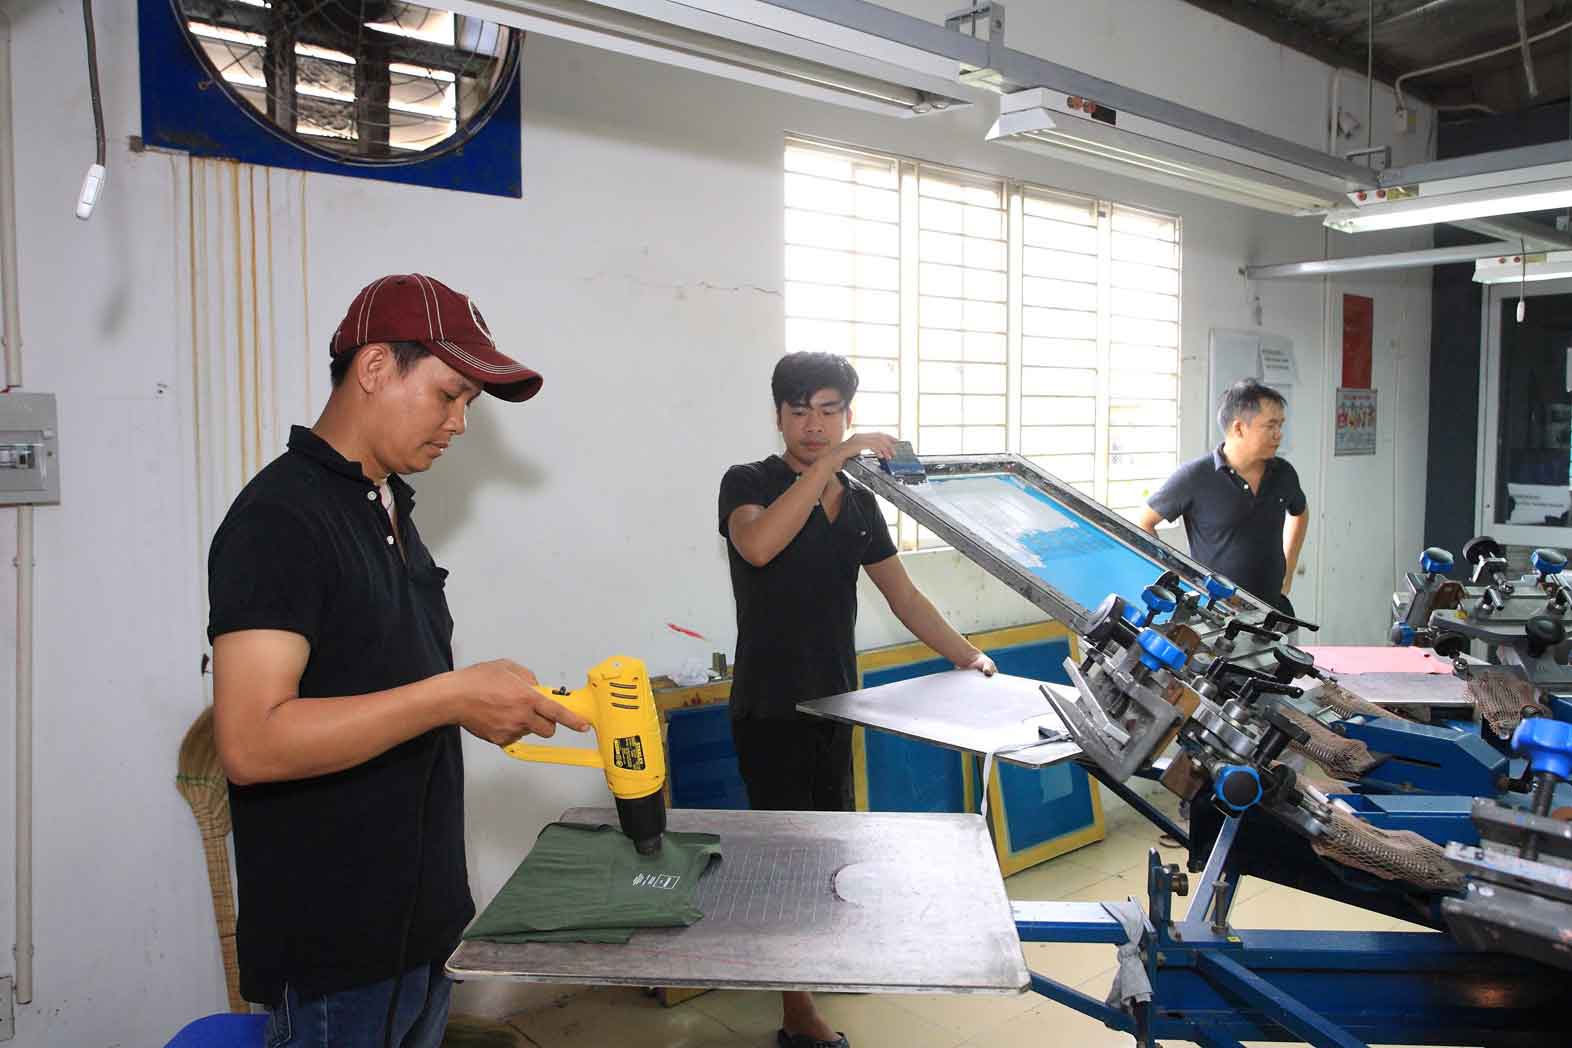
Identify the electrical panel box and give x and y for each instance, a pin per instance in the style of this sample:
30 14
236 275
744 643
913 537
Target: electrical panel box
29 450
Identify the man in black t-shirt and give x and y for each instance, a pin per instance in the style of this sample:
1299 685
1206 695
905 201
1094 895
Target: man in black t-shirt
798 531
1243 508
337 709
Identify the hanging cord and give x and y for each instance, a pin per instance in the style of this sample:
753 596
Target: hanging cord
93 183
1522 282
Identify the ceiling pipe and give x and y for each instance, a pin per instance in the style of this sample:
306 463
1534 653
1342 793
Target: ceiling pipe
1521 230
1418 12
1432 256
1528 57
1454 63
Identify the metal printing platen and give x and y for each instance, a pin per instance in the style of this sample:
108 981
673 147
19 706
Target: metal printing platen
1398 690
961 710
857 902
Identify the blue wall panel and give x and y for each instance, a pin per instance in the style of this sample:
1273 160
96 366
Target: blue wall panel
904 775
702 760
1041 805
1038 807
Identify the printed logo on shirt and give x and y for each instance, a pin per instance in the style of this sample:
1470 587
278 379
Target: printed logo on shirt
666 881
628 752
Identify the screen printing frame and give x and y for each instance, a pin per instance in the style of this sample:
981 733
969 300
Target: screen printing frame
1043 594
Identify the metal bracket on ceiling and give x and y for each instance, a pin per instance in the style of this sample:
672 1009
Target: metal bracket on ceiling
989 16
983 22
1379 158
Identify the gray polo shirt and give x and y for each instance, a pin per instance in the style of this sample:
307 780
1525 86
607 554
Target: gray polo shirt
1233 531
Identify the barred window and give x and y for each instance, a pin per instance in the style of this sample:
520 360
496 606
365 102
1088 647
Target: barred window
985 315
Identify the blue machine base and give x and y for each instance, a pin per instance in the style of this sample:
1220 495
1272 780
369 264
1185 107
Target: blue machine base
1424 758
1438 819
1330 989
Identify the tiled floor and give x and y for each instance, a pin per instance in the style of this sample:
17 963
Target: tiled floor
1112 869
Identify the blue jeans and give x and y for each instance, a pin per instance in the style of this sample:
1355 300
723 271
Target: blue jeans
355 1018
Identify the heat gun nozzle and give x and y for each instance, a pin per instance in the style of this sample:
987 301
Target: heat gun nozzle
643 820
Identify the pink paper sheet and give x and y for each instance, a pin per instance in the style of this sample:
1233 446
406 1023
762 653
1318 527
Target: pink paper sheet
1341 659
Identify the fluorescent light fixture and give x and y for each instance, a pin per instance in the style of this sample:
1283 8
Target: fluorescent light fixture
751 41
1511 269
1519 191
1071 128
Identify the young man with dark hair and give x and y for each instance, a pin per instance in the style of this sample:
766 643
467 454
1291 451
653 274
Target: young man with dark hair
797 532
336 705
1244 510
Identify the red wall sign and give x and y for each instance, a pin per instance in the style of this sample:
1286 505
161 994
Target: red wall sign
1358 329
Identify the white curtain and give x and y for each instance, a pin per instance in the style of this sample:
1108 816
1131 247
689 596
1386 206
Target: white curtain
244 287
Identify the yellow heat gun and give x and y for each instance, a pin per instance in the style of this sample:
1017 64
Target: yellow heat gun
618 702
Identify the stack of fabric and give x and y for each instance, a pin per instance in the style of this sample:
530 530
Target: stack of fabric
585 883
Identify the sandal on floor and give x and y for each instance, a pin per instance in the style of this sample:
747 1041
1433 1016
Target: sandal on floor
802 1040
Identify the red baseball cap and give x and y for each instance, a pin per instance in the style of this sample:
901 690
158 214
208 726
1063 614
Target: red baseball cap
412 307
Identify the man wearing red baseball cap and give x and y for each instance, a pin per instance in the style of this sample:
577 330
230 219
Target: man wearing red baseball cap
337 706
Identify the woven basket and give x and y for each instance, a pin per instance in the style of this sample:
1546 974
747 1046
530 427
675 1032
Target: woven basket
201 782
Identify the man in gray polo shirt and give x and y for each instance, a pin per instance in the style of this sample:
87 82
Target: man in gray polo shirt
1243 508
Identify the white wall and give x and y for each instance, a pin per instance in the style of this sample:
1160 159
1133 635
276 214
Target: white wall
642 273
1366 511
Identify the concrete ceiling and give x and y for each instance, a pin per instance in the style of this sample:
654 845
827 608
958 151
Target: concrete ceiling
1414 34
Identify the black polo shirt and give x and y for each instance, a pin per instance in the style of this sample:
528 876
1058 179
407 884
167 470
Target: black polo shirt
1233 531
329 867
797 615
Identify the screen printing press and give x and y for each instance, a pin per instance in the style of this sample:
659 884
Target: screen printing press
1292 773
1358 788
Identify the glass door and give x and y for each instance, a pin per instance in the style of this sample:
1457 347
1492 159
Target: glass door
1525 462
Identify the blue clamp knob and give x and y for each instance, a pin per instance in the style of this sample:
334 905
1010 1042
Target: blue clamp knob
1547 744
1134 615
1219 588
1435 561
1238 787
1157 601
1158 652
1547 561
1402 635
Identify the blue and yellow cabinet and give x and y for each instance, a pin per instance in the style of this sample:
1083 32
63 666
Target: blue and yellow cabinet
1034 815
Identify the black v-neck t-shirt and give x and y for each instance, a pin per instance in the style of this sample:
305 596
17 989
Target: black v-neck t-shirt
329 866
797 615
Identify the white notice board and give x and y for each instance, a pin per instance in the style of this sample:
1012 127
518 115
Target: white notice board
1251 354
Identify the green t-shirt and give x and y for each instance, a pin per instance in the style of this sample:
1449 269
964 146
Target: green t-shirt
583 883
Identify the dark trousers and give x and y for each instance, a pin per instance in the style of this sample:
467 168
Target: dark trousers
800 764
354 1018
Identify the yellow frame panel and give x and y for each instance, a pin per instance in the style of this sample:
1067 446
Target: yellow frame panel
679 697
1010 860
1013 861
1003 637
